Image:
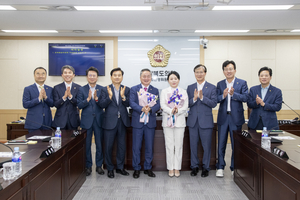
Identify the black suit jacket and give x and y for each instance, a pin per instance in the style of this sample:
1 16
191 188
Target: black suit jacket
65 109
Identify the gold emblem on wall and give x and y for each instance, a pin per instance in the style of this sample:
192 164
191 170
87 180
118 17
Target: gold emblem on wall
159 56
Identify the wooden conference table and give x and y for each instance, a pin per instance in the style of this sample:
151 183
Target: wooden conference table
57 177
159 151
263 175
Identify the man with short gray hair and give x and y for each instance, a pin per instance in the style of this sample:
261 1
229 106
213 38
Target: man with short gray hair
65 100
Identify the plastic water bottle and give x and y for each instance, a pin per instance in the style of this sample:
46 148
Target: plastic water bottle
17 158
265 140
264 132
58 134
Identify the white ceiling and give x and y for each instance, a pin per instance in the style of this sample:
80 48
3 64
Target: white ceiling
163 17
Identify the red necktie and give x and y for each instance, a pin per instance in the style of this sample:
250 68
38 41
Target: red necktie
145 89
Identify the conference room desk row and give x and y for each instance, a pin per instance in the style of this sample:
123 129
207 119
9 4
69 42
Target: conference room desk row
59 176
159 160
261 174
159 152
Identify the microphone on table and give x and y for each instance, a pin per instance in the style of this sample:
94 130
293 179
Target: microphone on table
296 120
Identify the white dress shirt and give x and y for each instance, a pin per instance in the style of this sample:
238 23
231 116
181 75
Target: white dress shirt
68 85
93 90
229 85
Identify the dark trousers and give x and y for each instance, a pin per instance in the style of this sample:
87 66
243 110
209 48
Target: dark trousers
223 129
205 135
118 132
98 135
137 139
259 125
68 126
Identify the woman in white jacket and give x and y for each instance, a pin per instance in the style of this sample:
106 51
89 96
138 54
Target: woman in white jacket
174 103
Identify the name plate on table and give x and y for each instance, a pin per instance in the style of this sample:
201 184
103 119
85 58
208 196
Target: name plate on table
246 134
280 153
75 133
48 152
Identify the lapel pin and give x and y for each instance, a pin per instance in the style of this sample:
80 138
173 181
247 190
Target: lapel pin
74 87
205 87
270 90
97 89
237 82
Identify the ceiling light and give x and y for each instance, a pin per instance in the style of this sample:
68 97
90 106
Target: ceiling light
295 30
138 40
44 7
113 7
4 7
271 30
182 8
264 7
125 31
30 31
221 31
78 31
174 31
63 8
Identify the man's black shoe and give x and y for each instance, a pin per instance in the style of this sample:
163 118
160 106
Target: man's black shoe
136 174
150 173
204 173
110 174
194 171
99 170
88 171
122 171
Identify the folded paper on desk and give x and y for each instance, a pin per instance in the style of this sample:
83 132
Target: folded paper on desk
37 137
283 137
16 142
31 142
7 154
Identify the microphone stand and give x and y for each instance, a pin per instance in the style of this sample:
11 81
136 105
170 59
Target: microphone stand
53 131
297 119
7 147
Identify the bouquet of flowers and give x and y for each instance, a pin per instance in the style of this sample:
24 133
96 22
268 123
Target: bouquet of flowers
146 98
174 100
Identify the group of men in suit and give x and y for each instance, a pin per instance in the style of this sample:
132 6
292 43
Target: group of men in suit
264 100
105 114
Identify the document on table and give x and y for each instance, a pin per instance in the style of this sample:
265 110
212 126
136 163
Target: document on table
7 154
283 137
37 137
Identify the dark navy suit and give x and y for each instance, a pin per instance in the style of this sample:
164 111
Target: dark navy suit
115 121
91 120
232 121
200 122
139 129
67 115
38 111
273 103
